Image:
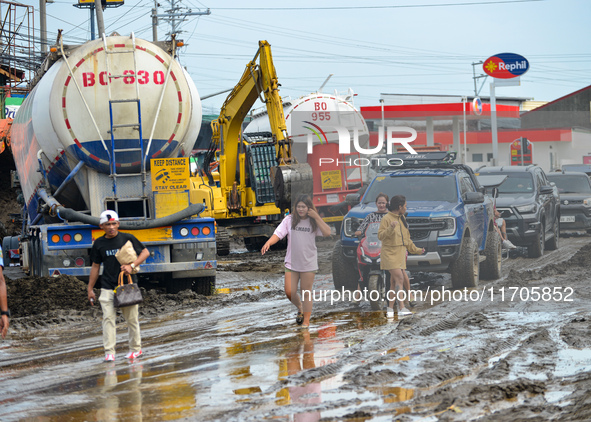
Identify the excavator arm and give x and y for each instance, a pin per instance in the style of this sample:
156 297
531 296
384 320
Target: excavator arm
258 81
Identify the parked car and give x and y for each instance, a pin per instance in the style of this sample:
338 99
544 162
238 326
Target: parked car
582 168
530 206
575 200
448 214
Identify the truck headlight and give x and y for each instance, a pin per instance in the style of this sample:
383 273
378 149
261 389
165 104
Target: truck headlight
587 202
449 228
350 224
524 209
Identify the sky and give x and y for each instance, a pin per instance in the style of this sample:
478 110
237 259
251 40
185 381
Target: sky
422 47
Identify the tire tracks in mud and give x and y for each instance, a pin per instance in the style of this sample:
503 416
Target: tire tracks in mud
504 372
484 361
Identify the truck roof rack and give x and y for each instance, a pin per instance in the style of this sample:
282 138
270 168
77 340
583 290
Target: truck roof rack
426 158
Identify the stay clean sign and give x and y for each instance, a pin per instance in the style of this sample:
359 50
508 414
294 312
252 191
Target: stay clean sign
505 65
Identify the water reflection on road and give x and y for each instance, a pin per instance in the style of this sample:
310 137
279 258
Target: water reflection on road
198 366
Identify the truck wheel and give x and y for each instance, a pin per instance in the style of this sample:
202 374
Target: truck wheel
279 246
537 249
36 256
254 244
5 248
465 271
222 240
14 244
490 269
177 285
376 284
204 286
344 273
552 244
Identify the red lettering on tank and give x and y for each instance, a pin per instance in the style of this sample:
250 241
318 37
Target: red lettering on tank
128 79
158 77
143 77
103 78
88 79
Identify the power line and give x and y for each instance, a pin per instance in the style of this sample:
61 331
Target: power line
402 6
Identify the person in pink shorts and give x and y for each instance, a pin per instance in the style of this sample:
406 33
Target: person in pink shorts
301 259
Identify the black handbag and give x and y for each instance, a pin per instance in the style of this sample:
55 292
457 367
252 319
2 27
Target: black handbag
127 294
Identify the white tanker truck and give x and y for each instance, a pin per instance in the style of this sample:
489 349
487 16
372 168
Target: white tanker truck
109 125
316 123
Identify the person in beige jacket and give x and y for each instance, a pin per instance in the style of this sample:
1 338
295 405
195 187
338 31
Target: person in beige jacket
396 241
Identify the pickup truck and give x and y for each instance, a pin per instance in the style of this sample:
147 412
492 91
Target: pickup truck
449 215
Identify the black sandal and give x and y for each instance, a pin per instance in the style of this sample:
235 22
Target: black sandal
300 318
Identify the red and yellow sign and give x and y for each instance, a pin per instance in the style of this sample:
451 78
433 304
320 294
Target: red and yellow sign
521 152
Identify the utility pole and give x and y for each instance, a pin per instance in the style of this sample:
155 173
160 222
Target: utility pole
43 26
92 6
155 21
476 89
100 22
176 15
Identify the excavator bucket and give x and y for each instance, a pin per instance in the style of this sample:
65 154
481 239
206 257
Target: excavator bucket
289 182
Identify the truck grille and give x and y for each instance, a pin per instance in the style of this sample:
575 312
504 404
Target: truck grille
505 212
420 228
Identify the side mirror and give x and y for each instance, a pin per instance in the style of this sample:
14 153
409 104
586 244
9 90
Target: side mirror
473 198
546 190
353 199
495 192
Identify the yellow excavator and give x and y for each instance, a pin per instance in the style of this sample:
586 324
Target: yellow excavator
247 182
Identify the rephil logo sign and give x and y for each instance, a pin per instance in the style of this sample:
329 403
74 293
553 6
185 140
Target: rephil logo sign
505 65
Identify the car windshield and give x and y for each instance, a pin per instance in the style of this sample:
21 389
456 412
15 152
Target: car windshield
516 183
571 184
414 188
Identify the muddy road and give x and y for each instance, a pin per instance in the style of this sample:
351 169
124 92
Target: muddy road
239 355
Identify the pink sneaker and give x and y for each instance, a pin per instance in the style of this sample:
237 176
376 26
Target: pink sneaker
133 355
109 357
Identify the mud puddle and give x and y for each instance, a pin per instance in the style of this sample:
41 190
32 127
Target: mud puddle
239 355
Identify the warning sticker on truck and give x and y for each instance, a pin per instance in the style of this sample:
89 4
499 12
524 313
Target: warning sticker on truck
331 179
170 174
